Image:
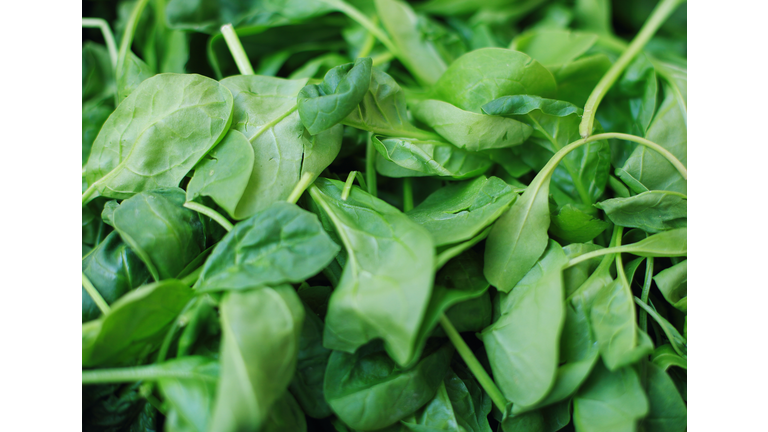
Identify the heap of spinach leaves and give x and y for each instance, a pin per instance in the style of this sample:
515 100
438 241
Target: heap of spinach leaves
444 215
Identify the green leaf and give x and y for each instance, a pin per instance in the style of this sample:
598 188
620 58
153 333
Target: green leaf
114 269
190 399
665 356
461 210
673 284
282 243
307 383
651 211
417 53
436 415
323 105
667 411
575 80
133 323
548 419
285 415
366 389
95 113
483 75
98 76
411 157
134 72
469 130
610 401
575 276
259 347
140 149
157 227
553 46
223 173
387 280
670 243
572 224
523 343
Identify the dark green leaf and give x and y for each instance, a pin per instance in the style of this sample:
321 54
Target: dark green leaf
609 401
285 415
307 383
667 411
673 284
573 224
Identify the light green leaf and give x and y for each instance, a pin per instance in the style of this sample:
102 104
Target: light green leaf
410 157
553 46
673 284
610 401
651 211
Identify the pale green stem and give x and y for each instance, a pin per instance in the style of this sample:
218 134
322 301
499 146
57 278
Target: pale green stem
109 38
643 318
130 29
192 278
370 41
236 48
370 166
363 20
604 264
89 193
597 253
474 365
94 293
407 194
211 213
151 372
650 144
348 185
659 320
382 58
304 182
454 251
660 14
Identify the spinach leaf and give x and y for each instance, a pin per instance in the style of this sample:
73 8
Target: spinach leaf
522 344
575 80
673 284
387 280
114 269
95 113
223 173
667 411
286 415
410 157
134 323
612 401
572 224
547 419
553 46
157 227
307 383
140 149
190 399
323 105
665 356
469 130
134 72
368 391
483 75
651 211
260 343
265 250
461 210
115 407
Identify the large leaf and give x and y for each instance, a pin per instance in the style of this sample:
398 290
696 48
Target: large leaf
553 46
610 401
411 157
387 279
140 149
282 243
190 398
651 211
667 411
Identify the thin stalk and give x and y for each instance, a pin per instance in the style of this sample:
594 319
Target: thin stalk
361 180
109 38
606 262
130 29
348 185
382 58
305 181
363 20
370 40
180 321
407 194
151 372
474 365
370 166
596 253
236 48
89 193
94 293
192 278
660 14
211 213
643 317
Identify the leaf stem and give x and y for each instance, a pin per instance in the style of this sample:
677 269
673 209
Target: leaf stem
109 38
364 21
304 182
474 365
236 48
370 166
130 29
407 194
643 317
192 278
180 321
87 195
348 185
211 213
670 335
138 373
94 293
660 14
382 58
370 40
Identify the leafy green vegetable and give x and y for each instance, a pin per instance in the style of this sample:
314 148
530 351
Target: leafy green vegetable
651 211
610 400
411 157
673 284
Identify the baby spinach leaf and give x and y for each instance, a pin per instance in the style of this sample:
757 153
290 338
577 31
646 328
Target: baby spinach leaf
134 72
133 323
387 280
667 411
553 46
673 284
417 52
260 343
483 75
98 78
157 227
461 210
576 275
573 224
436 415
575 80
223 173
665 244
114 269
612 401
651 211
410 157
140 149
666 356
548 419
677 340
368 391
265 112
190 399
469 130
522 344
323 105
285 415
265 250
95 113
307 383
